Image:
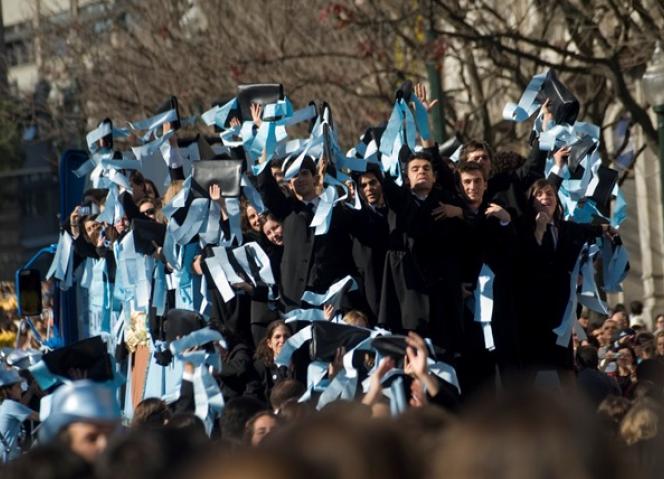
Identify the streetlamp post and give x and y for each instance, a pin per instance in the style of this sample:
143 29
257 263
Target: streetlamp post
653 88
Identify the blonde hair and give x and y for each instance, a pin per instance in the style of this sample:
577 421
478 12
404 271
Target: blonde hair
641 422
173 189
356 318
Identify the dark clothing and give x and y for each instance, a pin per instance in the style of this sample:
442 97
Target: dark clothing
543 289
422 278
492 243
312 262
510 188
238 376
370 261
269 375
596 385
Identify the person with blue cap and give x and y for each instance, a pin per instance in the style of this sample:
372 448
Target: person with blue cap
12 414
83 415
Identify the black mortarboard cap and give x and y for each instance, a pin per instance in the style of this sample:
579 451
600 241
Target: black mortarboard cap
224 172
563 104
447 149
180 322
326 337
608 178
405 91
89 355
262 94
170 104
578 150
147 233
395 346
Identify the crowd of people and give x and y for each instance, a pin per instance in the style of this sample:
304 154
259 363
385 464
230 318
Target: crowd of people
285 309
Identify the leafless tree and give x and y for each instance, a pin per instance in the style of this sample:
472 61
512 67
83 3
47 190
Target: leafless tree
354 54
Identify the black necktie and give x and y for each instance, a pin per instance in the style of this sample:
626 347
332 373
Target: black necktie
548 241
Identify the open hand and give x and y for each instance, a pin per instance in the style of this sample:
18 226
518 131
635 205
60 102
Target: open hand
421 94
256 112
499 212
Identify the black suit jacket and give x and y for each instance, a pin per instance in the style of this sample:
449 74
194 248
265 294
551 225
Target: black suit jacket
311 262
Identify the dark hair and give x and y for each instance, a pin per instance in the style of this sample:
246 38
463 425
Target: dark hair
636 307
263 352
538 186
474 145
647 342
507 161
470 167
48 461
249 425
586 358
151 412
419 155
148 453
285 390
236 414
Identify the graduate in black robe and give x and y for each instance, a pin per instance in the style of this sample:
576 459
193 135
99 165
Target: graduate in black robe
422 279
548 250
369 257
490 240
312 262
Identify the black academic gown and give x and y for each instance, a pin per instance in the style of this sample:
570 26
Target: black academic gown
313 262
492 243
509 188
370 260
422 278
543 288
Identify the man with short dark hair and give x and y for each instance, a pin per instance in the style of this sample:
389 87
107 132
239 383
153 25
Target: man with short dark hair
370 256
311 262
422 281
489 241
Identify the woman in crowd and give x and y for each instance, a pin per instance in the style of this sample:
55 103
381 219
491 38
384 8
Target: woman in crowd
549 247
276 336
259 426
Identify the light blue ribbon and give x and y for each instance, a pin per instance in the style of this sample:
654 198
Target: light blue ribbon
564 330
234 219
218 115
484 305
342 286
63 261
291 345
252 196
528 103
615 260
589 295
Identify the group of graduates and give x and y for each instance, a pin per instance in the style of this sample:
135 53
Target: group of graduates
403 270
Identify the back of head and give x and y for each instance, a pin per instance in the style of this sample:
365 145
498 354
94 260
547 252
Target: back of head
236 414
636 308
151 412
147 454
339 446
187 424
641 422
586 357
496 439
243 463
612 410
48 461
285 390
